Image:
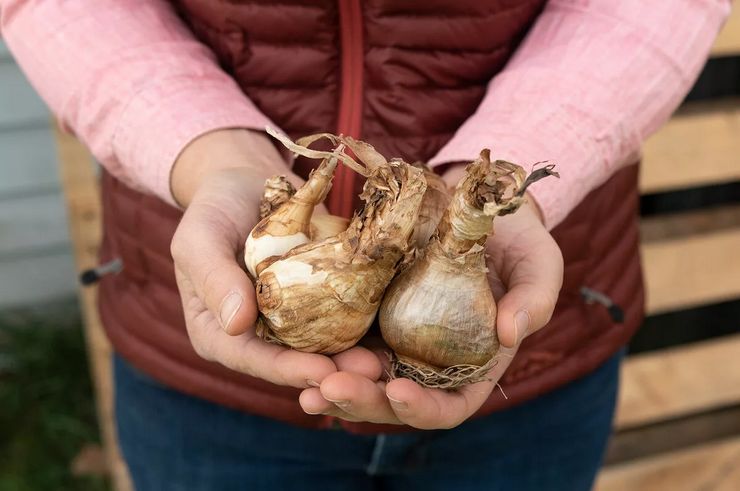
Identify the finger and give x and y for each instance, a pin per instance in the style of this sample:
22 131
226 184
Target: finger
208 260
533 287
359 397
248 354
361 361
428 409
312 402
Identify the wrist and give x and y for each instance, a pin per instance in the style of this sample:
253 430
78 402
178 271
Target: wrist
219 151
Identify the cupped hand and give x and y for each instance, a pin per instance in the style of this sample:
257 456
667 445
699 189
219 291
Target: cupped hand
219 180
525 272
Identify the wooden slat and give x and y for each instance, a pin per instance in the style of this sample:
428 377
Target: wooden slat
27 160
673 434
679 381
711 467
83 205
728 41
34 222
36 278
699 146
673 226
691 271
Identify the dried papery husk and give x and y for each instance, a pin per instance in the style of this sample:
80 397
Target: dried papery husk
439 314
289 224
323 296
278 190
436 199
324 225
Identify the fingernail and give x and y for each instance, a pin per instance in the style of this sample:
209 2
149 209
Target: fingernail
312 383
312 413
521 325
398 404
343 404
229 307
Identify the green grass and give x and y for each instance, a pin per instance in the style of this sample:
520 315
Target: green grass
46 403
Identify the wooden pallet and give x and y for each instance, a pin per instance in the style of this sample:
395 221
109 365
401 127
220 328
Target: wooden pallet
678 408
81 192
710 467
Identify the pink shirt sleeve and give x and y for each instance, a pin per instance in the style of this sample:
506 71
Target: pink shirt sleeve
590 82
128 77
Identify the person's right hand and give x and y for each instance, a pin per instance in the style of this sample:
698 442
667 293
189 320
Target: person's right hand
219 179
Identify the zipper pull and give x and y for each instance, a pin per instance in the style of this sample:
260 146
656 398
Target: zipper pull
592 296
93 275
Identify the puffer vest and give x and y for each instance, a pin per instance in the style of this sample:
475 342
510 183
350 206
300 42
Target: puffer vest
402 75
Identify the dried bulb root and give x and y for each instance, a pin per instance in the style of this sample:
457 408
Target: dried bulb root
433 378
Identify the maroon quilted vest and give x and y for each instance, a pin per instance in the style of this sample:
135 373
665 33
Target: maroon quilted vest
402 75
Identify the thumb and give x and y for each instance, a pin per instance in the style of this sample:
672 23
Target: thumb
208 259
527 306
227 293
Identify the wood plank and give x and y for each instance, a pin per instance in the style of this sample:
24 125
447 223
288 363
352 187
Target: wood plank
691 271
679 381
728 41
80 184
42 277
711 467
673 434
32 223
19 104
27 160
685 224
699 146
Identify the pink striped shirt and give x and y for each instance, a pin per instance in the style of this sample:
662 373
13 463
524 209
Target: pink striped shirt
590 82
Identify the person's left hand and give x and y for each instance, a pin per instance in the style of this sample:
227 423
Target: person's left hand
526 273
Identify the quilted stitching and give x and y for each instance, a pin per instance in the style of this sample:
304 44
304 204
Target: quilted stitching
412 107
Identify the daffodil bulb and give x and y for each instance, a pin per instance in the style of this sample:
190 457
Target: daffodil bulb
439 315
323 296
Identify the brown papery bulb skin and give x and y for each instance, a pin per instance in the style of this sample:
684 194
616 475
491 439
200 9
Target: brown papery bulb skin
323 296
436 199
441 311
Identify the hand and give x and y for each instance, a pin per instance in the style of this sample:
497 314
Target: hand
526 272
219 179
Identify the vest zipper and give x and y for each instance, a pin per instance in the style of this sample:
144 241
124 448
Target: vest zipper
349 120
594 296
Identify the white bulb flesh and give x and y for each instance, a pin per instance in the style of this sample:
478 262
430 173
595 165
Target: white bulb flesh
258 249
289 272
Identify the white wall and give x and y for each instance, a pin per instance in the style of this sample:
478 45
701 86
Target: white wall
36 261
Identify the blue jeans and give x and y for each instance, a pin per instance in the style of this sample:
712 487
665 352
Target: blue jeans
172 441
